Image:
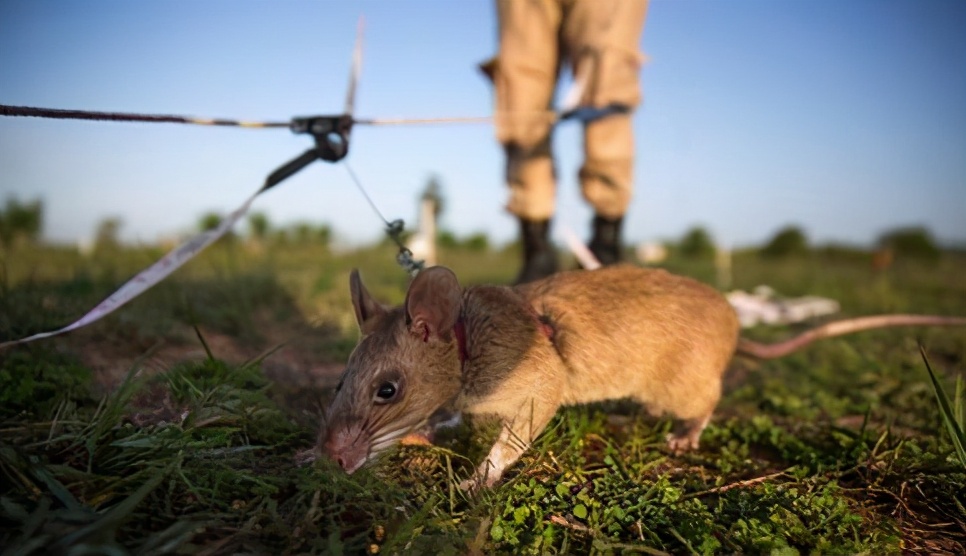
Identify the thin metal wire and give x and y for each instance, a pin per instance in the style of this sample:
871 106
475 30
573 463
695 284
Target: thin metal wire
394 230
420 121
549 115
362 190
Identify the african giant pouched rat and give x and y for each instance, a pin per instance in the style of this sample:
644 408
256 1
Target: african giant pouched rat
521 352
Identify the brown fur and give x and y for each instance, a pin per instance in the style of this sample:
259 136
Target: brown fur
661 339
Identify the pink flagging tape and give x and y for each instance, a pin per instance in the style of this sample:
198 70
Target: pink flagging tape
148 277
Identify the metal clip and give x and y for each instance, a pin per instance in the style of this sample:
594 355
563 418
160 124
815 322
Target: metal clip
394 230
405 258
331 134
410 265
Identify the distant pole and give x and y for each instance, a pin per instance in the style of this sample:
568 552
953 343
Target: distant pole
423 242
427 227
722 263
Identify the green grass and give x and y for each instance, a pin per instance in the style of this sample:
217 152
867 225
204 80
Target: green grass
953 411
840 448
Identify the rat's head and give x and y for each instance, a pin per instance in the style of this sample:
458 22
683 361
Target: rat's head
405 367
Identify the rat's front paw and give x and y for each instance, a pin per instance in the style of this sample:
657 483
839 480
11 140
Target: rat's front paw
418 438
479 481
471 485
678 444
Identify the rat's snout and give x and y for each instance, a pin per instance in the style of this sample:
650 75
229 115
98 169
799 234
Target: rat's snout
348 446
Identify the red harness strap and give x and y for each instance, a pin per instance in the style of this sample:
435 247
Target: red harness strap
459 330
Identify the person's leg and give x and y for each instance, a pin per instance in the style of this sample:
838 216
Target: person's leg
606 180
524 76
602 38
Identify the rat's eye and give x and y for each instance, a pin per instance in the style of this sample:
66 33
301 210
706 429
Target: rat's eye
386 392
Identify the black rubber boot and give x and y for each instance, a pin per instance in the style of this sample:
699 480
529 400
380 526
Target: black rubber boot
539 256
606 243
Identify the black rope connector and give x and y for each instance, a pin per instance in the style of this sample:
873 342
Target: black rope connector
331 134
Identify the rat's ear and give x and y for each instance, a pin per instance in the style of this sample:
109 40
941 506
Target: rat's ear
433 303
365 306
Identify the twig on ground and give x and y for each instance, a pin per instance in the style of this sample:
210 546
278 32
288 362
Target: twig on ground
739 484
564 522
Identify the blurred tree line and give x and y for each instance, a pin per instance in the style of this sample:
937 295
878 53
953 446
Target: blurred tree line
262 231
21 222
914 242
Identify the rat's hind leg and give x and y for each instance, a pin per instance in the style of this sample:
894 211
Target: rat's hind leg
691 410
686 434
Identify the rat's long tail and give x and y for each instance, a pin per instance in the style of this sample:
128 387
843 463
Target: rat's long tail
839 328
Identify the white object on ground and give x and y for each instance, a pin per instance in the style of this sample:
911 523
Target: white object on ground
764 306
651 253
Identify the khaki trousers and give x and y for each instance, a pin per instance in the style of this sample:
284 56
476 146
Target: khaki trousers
598 39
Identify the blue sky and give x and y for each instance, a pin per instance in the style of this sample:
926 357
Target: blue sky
846 118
